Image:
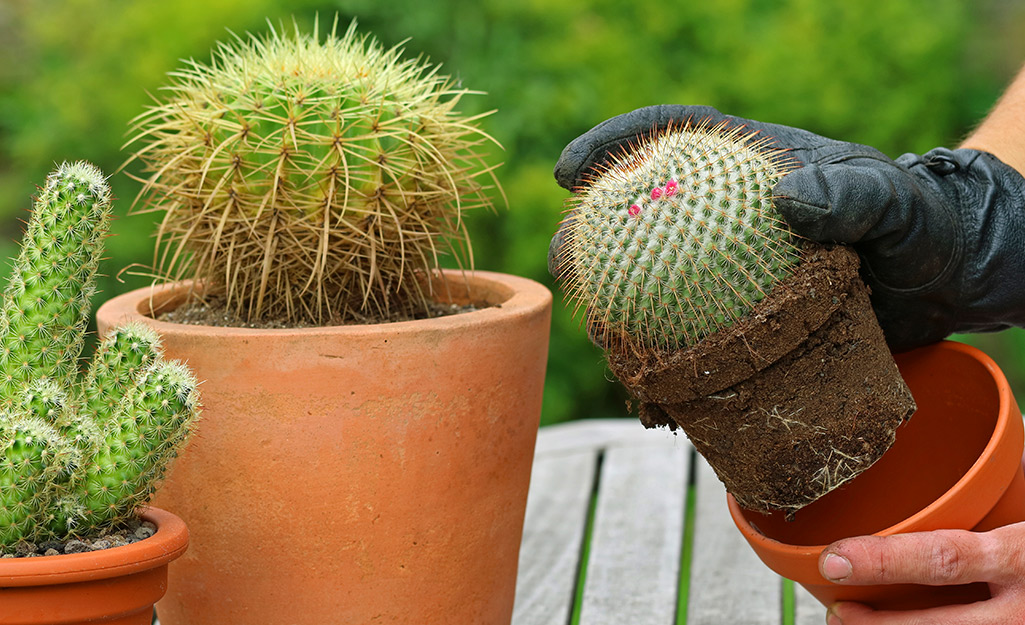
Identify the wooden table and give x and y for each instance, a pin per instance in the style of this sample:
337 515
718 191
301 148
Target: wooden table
630 526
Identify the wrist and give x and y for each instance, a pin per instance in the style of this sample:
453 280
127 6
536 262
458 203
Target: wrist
1002 132
1000 147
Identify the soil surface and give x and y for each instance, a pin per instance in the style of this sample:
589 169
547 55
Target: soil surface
214 312
132 533
791 402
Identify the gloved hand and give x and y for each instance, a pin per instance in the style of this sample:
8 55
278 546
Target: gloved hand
941 235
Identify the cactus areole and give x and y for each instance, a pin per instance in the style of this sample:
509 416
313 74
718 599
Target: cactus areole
762 346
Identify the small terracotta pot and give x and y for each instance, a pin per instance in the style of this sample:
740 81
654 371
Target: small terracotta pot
956 464
111 587
356 474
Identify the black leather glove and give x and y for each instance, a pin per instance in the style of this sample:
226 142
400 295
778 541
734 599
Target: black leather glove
941 235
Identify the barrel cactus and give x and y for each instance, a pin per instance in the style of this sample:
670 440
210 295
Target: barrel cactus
79 452
677 238
308 178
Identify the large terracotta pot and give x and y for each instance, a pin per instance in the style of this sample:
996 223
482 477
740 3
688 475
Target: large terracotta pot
110 587
356 474
957 464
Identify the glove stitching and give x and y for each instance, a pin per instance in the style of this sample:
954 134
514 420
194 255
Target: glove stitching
957 257
834 159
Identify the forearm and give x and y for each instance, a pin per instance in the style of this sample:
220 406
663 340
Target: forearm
1002 133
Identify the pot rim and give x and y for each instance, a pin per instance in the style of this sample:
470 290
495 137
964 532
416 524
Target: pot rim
169 542
510 296
1008 426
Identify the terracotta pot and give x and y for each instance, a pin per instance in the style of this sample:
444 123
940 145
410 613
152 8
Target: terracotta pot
111 587
957 464
356 474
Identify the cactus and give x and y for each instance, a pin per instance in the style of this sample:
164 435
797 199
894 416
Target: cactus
117 363
677 238
78 453
310 180
46 303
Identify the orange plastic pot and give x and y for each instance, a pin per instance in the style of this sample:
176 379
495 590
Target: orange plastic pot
110 587
356 474
957 464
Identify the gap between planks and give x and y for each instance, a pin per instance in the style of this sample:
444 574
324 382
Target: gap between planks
634 576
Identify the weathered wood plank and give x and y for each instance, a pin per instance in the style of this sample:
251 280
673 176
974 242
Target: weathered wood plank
633 570
553 534
728 583
594 434
807 609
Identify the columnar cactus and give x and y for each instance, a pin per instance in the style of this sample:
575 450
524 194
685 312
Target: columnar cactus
46 303
308 179
677 238
78 453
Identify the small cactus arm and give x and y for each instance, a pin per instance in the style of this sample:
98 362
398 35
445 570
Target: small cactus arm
46 400
118 360
677 238
150 426
33 460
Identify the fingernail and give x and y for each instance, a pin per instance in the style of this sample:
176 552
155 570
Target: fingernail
836 568
831 616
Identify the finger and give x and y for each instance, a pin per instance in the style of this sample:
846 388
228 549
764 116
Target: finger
592 148
941 557
907 235
839 202
1002 610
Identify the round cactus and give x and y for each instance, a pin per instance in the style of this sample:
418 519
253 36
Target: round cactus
309 179
677 238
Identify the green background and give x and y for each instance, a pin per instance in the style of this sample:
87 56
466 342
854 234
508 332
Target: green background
901 75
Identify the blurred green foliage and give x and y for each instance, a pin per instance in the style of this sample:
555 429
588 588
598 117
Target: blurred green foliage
901 75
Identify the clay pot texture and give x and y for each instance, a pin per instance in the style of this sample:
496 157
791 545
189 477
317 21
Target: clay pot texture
356 474
109 587
956 464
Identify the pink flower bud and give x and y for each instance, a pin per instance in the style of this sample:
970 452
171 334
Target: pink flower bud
634 210
671 188
656 193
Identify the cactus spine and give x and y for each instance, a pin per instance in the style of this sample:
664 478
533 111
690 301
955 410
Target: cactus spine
677 238
78 453
308 179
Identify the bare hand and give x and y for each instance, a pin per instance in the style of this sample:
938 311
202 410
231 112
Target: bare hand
938 558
